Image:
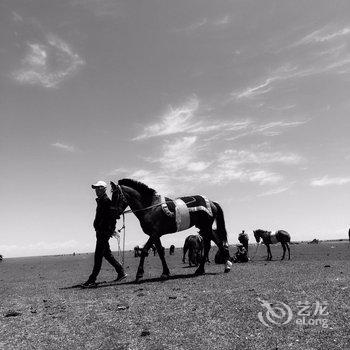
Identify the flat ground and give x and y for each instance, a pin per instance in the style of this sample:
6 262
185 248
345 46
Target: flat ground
214 311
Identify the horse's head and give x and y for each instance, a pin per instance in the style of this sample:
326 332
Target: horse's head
119 201
257 236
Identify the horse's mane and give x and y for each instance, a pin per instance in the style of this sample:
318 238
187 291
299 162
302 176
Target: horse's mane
140 187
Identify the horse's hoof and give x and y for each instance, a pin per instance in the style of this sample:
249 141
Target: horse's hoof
199 272
138 278
227 270
164 276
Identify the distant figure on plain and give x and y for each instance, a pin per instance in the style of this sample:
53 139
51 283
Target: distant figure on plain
137 251
1 257
243 238
241 255
104 224
172 250
349 235
194 245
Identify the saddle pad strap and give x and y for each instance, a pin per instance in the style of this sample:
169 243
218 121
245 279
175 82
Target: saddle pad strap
182 215
165 207
273 239
207 209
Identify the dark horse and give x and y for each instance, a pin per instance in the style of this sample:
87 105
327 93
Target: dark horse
280 236
155 221
194 246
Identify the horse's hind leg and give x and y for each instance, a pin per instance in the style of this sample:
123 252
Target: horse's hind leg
160 249
224 251
284 250
184 253
287 244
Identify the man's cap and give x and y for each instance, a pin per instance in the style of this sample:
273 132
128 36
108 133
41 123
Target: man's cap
99 184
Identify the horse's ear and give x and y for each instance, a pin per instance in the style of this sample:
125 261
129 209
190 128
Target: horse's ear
113 185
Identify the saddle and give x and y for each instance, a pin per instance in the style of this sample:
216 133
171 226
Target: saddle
180 209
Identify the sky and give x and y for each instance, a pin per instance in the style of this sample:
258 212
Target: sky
245 102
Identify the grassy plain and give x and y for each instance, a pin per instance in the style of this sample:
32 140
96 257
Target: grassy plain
214 311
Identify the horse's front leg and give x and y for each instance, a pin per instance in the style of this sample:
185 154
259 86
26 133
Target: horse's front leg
160 249
144 253
288 251
201 270
284 250
269 254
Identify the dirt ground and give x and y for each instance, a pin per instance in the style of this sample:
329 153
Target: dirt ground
214 311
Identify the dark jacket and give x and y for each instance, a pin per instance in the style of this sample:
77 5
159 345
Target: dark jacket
105 218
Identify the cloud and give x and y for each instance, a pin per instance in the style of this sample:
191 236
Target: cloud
47 64
248 166
268 129
175 121
209 24
187 119
65 147
275 191
323 35
249 157
328 181
282 73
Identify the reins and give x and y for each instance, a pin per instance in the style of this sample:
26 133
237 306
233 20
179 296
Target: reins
117 237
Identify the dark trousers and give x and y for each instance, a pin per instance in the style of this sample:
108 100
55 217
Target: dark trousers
103 250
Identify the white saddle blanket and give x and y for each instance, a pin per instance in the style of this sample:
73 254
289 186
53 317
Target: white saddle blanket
182 215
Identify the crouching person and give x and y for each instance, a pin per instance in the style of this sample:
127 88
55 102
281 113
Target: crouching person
241 256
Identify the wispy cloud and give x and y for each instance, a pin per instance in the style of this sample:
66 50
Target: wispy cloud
329 181
248 166
274 191
268 129
186 119
207 23
324 34
48 63
330 55
64 147
249 157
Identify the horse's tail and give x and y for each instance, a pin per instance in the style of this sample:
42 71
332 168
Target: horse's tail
220 223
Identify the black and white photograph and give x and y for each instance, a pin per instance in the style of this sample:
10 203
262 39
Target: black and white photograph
175 175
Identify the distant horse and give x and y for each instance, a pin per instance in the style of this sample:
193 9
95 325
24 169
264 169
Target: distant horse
194 246
243 238
159 216
137 251
1 257
280 236
172 250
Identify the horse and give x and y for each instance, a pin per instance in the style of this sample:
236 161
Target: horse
172 250
157 219
137 251
280 236
194 246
